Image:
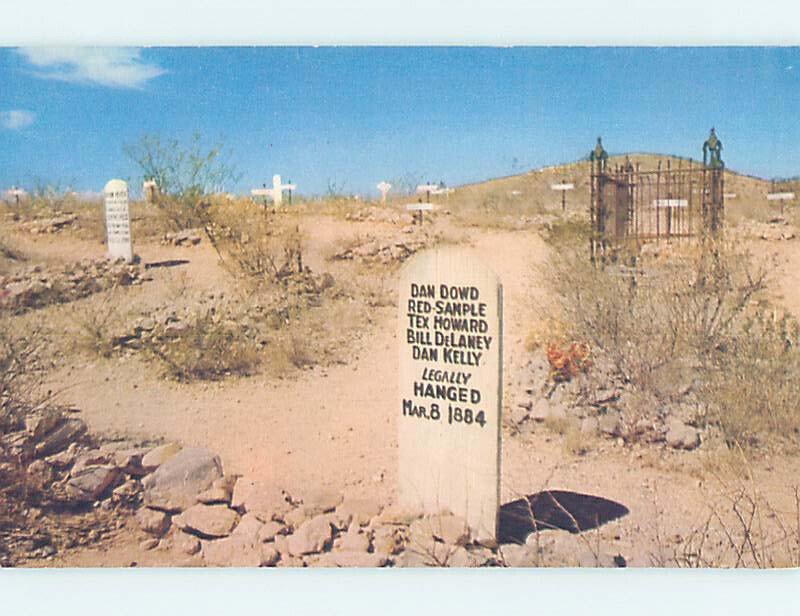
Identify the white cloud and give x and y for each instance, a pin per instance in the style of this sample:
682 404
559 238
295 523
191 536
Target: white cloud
16 119
116 67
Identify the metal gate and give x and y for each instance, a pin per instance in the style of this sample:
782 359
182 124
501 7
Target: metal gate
678 200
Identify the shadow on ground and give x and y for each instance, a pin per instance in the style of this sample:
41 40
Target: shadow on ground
555 509
167 263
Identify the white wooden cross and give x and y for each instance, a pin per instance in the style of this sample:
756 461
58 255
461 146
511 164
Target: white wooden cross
427 189
782 197
384 187
563 187
16 193
276 192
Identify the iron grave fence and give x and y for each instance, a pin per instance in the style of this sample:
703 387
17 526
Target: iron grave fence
677 200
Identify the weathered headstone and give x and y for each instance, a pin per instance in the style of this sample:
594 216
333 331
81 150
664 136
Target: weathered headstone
451 340
118 221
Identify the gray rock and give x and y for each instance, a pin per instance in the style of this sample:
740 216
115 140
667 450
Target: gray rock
90 483
174 486
207 520
61 437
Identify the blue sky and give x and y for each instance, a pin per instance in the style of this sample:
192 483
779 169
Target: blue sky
356 116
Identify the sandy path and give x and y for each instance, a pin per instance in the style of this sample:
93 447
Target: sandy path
336 426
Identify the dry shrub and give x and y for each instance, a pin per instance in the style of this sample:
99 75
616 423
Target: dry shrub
20 374
698 322
740 528
94 322
254 241
206 348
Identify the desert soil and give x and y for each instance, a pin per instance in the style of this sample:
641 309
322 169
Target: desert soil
335 426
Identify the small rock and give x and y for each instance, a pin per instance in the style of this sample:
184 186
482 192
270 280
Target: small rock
57 440
91 482
207 520
249 528
357 559
321 501
353 541
312 536
174 486
214 496
269 530
152 522
188 544
681 436
263 501
158 455
149 544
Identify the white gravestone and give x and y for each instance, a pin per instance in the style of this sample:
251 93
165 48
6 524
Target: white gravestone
450 397
118 221
384 187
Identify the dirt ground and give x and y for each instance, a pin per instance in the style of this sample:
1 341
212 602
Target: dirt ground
334 426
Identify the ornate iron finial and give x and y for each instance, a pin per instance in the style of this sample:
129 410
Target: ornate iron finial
599 154
713 148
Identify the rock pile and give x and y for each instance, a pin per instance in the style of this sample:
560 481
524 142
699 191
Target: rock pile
187 237
253 321
53 224
37 286
59 488
191 506
776 229
384 251
184 502
611 410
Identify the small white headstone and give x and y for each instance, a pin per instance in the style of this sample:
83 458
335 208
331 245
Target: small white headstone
384 187
450 334
118 221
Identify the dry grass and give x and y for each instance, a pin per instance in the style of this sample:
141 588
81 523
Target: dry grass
700 317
